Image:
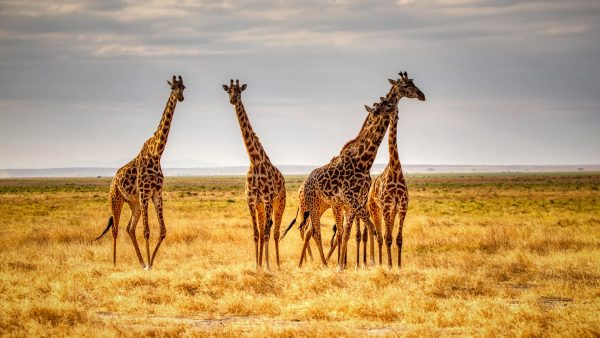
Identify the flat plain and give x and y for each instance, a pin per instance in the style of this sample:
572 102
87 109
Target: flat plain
484 255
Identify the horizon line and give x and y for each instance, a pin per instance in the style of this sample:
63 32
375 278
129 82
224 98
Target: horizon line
316 165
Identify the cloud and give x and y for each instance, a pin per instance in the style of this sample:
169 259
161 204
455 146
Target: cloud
309 64
562 29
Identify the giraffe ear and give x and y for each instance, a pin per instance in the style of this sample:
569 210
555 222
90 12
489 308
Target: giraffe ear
243 87
226 88
368 109
392 82
170 84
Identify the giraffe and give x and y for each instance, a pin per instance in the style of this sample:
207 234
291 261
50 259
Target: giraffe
141 180
389 192
348 147
400 88
265 185
344 181
302 207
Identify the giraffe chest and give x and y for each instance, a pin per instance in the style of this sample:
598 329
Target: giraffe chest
263 181
357 186
391 187
149 174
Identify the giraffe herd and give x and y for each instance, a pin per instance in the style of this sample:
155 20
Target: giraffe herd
344 185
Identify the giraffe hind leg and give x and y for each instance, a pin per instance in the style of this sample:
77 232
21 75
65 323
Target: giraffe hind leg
364 216
135 216
338 228
116 201
358 238
308 247
375 213
334 241
307 237
144 203
365 237
278 209
252 210
389 216
402 215
158 205
262 221
305 224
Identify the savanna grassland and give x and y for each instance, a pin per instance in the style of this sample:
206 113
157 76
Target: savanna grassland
484 255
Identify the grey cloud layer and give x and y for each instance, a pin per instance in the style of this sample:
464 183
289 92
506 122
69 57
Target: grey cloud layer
308 61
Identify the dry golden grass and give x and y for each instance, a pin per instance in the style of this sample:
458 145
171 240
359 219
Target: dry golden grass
485 255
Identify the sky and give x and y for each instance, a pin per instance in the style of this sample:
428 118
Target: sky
507 82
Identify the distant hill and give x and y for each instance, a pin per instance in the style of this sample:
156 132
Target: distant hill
295 169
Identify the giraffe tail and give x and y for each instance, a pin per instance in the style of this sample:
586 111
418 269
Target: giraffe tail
291 224
304 219
110 224
334 232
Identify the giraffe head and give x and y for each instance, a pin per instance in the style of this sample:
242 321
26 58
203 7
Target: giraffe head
177 86
384 106
234 90
405 87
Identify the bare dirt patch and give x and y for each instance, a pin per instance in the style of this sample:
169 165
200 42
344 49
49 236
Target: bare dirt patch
245 324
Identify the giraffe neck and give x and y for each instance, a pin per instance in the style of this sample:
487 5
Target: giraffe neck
255 151
162 133
365 126
369 143
393 141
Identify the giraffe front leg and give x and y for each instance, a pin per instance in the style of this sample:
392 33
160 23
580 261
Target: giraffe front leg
267 233
308 235
135 216
338 214
362 213
262 220
401 217
389 215
116 202
375 213
305 224
344 245
252 209
358 238
302 230
144 199
158 205
365 237
278 210
334 241
316 228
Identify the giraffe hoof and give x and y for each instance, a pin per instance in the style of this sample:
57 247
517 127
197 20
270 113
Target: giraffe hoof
147 268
